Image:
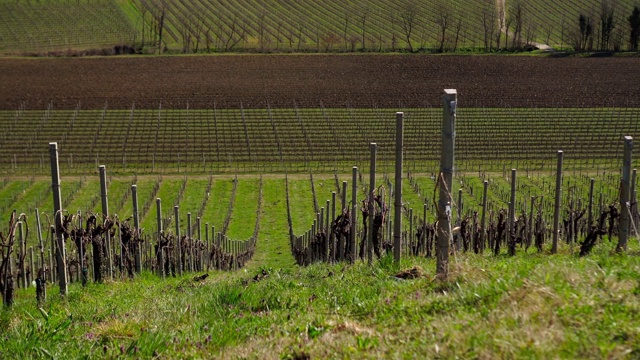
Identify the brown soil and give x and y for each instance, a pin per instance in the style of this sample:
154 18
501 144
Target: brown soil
308 80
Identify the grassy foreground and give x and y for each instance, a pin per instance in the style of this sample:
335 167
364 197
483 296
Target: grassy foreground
527 306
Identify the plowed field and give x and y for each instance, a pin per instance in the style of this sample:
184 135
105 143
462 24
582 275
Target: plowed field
335 81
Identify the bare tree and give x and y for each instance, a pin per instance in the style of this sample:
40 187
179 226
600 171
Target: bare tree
634 24
530 32
548 30
501 22
607 23
409 15
345 31
507 31
518 16
263 34
443 21
458 28
300 29
159 16
363 16
488 21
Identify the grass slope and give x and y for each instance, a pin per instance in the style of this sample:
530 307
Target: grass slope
273 249
528 306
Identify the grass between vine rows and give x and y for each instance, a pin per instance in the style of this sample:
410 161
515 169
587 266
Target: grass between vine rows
530 305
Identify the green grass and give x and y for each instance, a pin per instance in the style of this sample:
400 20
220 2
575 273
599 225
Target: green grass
86 196
301 203
528 306
168 193
145 187
273 248
192 200
218 203
244 216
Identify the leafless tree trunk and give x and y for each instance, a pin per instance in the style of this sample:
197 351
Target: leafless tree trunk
443 22
408 18
518 15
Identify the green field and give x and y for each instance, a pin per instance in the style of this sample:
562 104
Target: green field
28 27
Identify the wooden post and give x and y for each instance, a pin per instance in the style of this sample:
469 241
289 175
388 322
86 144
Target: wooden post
512 205
530 224
625 195
42 274
341 251
207 247
32 267
332 241
556 209
424 228
53 253
445 181
136 225
327 231
397 211
176 214
372 207
633 202
354 214
198 249
159 252
460 210
190 250
57 211
23 257
590 210
105 213
410 240
483 219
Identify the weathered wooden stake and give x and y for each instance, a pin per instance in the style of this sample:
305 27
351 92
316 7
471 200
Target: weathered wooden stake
105 213
332 241
512 206
354 214
372 206
483 219
327 231
530 223
397 211
590 219
445 181
176 214
411 239
136 225
57 211
23 256
189 252
42 275
625 195
159 252
556 209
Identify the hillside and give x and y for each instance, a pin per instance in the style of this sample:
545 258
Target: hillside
73 27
